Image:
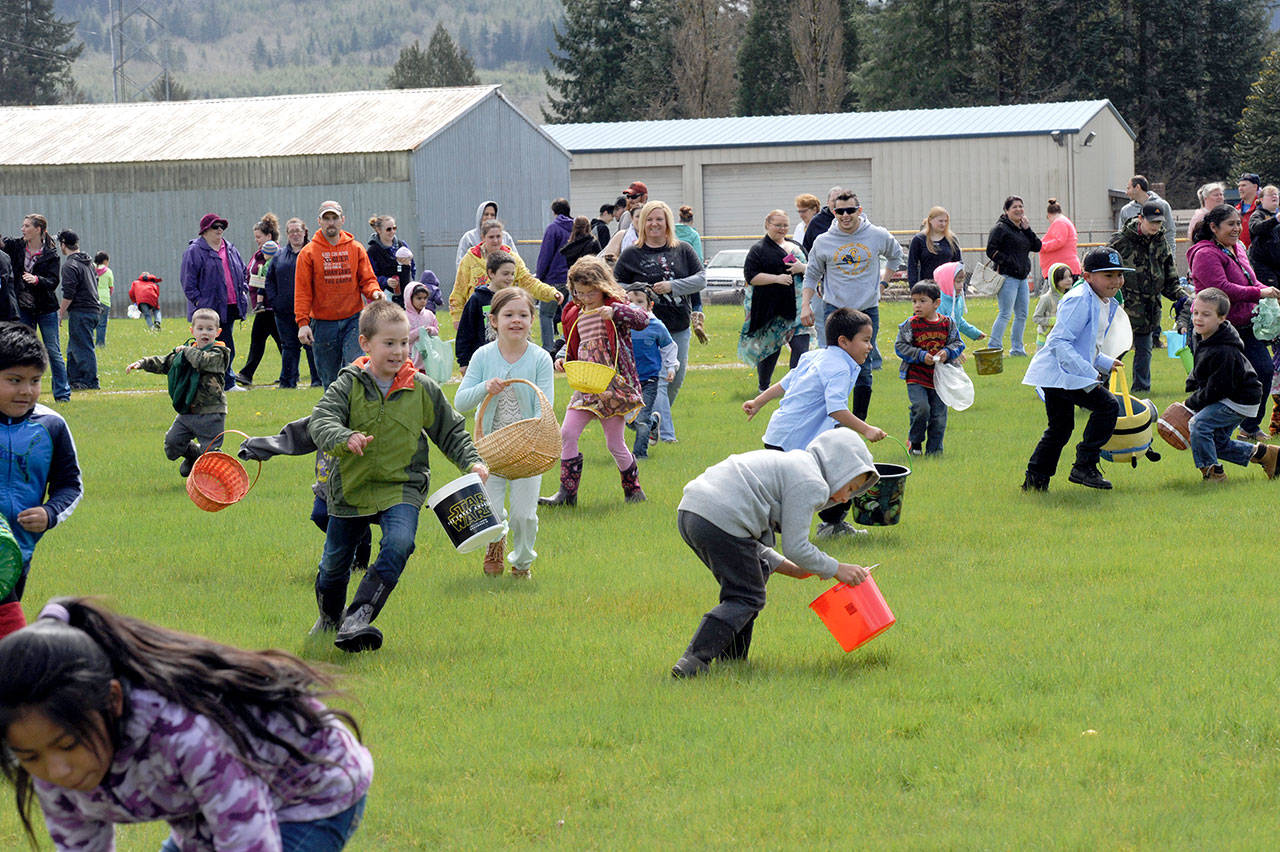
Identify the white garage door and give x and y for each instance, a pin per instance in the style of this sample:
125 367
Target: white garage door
737 197
589 188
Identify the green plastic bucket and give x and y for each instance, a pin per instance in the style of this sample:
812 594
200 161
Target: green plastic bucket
10 559
1185 356
881 505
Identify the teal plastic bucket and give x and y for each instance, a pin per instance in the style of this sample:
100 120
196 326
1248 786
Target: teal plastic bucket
1175 343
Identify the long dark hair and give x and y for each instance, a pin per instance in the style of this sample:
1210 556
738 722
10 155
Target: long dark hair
65 669
1216 216
581 228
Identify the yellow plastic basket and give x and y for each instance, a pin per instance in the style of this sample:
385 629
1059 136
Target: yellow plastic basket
588 376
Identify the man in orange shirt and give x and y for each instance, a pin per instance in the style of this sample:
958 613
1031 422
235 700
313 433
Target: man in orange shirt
333 272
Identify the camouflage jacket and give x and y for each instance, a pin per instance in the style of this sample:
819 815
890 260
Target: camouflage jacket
1154 275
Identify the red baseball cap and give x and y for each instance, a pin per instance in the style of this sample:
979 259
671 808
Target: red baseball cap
636 188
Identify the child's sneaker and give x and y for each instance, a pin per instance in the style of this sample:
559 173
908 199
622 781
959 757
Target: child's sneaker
1035 482
521 573
1213 473
1088 476
837 530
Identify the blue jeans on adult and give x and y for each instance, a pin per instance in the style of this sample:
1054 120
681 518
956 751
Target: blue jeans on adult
327 834
1141 363
102 326
1011 300
1260 357
667 391
290 349
48 326
1211 437
548 316
337 344
82 361
399 526
819 331
928 416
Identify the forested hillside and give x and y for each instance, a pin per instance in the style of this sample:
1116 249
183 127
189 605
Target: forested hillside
230 48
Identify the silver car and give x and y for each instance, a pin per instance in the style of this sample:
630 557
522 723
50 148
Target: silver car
724 276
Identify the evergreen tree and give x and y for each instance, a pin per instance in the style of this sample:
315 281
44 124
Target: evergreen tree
442 64
767 76
36 53
166 88
1257 141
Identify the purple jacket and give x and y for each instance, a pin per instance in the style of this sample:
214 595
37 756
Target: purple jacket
552 267
204 282
180 767
1211 266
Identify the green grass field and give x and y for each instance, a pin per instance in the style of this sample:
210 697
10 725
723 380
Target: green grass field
1071 670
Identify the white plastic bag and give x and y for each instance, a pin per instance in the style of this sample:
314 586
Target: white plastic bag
437 357
953 385
1119 337
134 312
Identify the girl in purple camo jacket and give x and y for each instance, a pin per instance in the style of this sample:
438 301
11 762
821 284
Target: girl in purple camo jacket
108 719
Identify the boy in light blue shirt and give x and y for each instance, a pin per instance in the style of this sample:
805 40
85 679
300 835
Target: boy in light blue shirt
1071 370
815 398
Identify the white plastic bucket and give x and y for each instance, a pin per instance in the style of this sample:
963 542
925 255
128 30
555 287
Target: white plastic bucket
464 511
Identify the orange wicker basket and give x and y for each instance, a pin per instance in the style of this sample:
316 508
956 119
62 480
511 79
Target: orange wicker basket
588 376
528 447
217 480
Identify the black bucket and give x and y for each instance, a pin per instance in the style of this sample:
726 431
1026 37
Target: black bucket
881 505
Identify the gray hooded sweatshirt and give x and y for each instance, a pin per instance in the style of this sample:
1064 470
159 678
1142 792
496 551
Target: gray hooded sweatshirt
752 495
848 265
472 238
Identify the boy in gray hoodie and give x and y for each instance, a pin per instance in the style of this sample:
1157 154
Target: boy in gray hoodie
845 267
728 516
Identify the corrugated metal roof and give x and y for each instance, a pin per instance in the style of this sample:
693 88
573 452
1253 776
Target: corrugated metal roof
959 122
231 128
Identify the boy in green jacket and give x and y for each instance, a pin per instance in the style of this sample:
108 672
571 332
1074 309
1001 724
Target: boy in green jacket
375 419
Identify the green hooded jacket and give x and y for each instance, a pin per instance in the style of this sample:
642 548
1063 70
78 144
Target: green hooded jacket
1154 274
395 466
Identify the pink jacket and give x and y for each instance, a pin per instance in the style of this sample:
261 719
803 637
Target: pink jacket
1058 245
1211 266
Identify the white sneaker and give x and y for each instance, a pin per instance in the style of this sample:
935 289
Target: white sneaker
236 388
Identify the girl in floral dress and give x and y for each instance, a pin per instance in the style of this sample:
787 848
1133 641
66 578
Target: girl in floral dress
599 321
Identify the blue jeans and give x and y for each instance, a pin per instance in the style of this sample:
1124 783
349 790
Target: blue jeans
819 338
1141 363
1211 437
150 315
337 344
649 393
667 391
1011 300
102 326
873 360
327 834
290 349
928 414
548 316
399 526
82 361
48 326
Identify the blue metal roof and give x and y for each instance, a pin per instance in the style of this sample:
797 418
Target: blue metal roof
896 125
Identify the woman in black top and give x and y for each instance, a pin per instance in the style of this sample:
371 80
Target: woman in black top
673 272
392 274
1009 245
581 242
932 247
772 300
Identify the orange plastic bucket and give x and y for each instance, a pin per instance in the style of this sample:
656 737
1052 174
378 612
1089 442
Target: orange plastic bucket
854 614
217 480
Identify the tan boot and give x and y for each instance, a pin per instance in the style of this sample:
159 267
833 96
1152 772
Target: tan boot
1269 458
1213 473
698 320
493 558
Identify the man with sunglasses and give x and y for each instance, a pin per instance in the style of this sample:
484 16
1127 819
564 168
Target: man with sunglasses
636 194
213 276
845 264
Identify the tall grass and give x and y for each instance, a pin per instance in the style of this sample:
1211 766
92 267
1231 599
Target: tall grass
1077 669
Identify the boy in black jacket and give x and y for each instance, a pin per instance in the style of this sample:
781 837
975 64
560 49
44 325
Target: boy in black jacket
1224 391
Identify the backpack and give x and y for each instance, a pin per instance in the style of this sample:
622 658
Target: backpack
184 380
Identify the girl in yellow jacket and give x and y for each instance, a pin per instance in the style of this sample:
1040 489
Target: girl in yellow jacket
471 271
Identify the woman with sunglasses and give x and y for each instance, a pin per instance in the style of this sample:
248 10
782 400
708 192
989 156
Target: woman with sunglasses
393 275
213 276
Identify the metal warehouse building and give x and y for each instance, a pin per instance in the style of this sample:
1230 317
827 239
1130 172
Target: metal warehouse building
734 170
134 179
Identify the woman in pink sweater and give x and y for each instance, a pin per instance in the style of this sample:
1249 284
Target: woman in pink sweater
1058 245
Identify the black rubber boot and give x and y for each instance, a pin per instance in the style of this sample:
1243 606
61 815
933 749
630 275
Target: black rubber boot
329 602
570 477
712 637
189 456
740 644
357 632
861 401
1035 482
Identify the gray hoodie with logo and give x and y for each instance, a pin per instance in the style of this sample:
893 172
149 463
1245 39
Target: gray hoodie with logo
845 268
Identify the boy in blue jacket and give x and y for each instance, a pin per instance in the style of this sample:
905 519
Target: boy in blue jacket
41 458
1072 371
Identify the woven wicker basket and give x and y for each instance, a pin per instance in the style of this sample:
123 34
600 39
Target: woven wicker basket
217 480
588 376
528 447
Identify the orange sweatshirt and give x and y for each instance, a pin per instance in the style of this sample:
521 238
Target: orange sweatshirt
330 279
